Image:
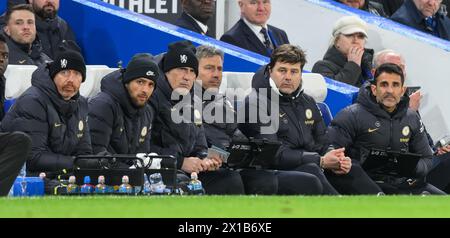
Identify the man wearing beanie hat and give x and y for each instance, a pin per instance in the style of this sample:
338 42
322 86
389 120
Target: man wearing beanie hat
54 115
346 60
120 118
177 127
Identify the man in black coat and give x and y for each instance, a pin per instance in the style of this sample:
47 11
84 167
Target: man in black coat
196 14
252 32
54 115
177 126
120 118
381 119
221 127
424 16
366 5
287 114
14 146
52 30
20 31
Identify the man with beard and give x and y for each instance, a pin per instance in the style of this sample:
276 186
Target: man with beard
54 115
177 127
15 146
20 32
196 14
120 118
381 119
52 30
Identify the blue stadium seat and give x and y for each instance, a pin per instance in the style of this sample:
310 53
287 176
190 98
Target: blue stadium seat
8 103
326 113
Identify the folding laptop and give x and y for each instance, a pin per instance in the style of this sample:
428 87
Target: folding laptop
252 153
395 163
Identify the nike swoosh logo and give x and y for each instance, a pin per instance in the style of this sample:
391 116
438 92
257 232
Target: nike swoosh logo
57 125
282 115
22 61
372 130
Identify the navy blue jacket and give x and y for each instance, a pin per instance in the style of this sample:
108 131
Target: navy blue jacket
2 96
222 126
189 23
301 128
366 125
19 53
185 139
58 128
116 125
409 15
52 33
241 35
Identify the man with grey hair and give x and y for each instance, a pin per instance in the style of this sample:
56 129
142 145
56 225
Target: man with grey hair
221 127
424 15
252 32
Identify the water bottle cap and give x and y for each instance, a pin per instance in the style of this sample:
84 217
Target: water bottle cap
194 175
72 179
125 179
87 179
42 175
101 179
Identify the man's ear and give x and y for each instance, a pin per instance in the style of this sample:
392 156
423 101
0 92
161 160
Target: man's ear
6 30
373 88
404 90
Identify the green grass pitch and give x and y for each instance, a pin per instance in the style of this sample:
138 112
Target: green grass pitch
227 206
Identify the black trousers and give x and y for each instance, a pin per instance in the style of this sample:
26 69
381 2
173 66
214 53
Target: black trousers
15 148
439 176
314 169
271 182
222 182
357 181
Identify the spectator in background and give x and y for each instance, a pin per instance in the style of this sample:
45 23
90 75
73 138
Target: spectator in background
424 15
177 126
221 127
365 5
120 118
390 6
52 30
54 115
20 31
196 14
252 32
4 56
347 60
445 8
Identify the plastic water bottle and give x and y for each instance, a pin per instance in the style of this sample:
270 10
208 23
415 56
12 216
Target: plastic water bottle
195 185
125 187
156 184
72 187
87 187
147 189
42 175
101 187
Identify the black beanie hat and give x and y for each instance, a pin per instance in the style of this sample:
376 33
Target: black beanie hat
178 57
68 59
140 66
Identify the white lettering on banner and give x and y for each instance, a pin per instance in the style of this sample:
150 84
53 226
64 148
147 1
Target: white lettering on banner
146 6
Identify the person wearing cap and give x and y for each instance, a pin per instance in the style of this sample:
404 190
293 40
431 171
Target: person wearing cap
381 119
120 118
424 15
252 32
177 126
346 60
54 114
20 31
